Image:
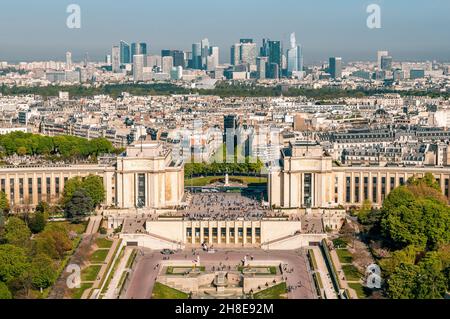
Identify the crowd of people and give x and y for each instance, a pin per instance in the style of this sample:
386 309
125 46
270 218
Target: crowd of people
223 206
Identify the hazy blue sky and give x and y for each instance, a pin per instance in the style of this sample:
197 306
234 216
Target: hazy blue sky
411 29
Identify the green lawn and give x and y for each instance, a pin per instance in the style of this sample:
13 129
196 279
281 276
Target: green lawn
90 273
99 256
351 273
103 243
204 181
161 291
360 290
275 292
78 292
345 257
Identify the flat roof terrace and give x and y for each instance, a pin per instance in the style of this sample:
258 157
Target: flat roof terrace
223 207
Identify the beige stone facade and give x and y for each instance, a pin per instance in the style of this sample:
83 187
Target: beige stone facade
145 177
308 178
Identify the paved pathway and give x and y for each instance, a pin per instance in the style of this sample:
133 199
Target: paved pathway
324 275
112 292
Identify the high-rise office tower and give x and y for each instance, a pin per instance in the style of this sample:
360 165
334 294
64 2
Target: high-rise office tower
294 57
386 63
264 51
167 64
230 125
115 59
261 65
335 67
244 52
381 54
196 62
235 54
249 53
273 71
138 67
86 59
177 55
212 61
178 58
272 50
124 53
68 60
139 48
205 52
275 52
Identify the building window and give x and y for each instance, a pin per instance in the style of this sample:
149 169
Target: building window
30 190
189 232
223 232
11 191
21 190
366 188
214 232
141 190
392 183
39 188
48 189
231 232
383 188
375 189
356 189
307 190
57 185
347 190
446 187
402 181
249 232
3 185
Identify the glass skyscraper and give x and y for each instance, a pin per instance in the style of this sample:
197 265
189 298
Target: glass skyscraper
138 49
335 67
125 53
196 56
273 51
294 57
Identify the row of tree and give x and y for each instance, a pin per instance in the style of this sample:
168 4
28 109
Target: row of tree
223 89
205 169
68 147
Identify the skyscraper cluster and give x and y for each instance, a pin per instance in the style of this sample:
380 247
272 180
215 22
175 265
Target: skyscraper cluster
204 56
269 62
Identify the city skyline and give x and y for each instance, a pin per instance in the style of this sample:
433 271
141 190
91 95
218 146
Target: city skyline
323 28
